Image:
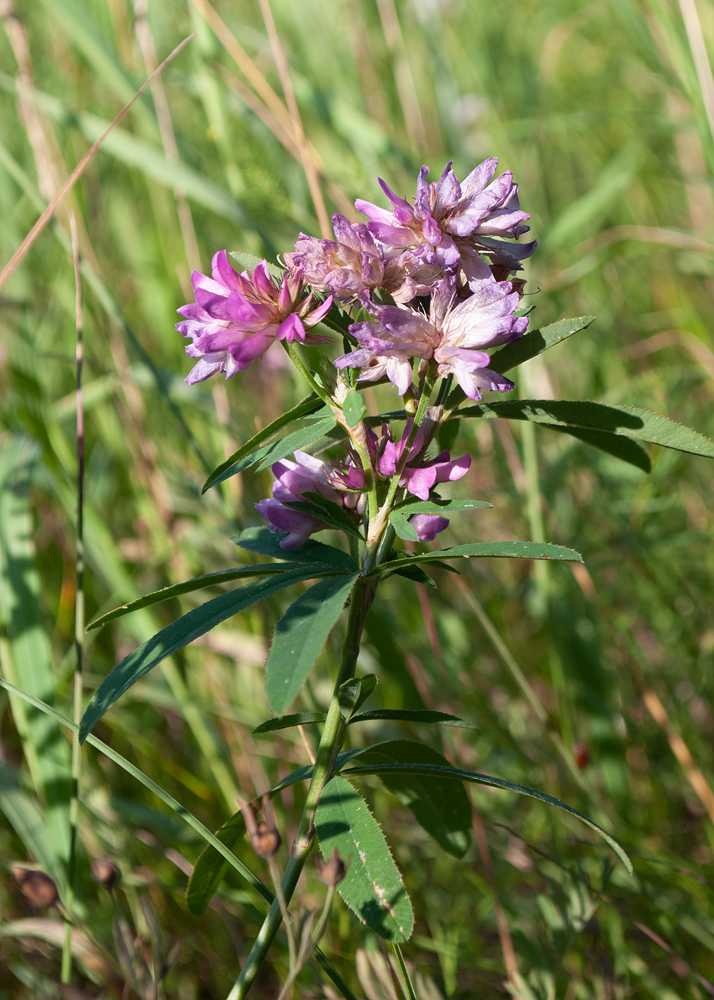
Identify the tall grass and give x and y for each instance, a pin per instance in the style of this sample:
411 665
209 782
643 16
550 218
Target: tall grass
603 112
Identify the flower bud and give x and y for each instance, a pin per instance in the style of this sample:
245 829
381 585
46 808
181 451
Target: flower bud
333 870
581 754
106 872
36 886
265 839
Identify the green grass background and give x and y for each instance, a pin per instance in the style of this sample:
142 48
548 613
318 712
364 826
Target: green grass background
604 111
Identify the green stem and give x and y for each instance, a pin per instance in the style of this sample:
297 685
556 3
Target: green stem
312 382
333 736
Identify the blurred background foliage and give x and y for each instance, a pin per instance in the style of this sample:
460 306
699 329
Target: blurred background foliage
594 685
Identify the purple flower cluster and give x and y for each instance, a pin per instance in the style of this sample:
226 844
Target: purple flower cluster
345 485
236 317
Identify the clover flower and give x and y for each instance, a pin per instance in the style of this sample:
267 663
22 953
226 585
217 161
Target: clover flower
454 334
354 263
307 474
450 219
236 317
420 475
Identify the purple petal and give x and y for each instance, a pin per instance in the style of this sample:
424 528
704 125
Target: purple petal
428 526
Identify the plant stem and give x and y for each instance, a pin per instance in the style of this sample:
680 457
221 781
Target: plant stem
333 736
312 382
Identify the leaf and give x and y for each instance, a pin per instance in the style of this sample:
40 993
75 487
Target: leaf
353 408
26 653
413 715
487 779
29 824
323 558
248 262
481 550
414 573
436 506
443 810
402 527
287 721
536 341
187 587
629 421
299 636
273 452
182 812
177 635
614 444
210 868
326 511
303 409
372 888
353 693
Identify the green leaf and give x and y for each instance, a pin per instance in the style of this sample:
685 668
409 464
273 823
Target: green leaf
536 341
436 506
413 715
323 558
182 812
486 779
177 635
402 527
372 888
27 653
248 262
304 408
628 421
273 452
299 637
187 587
481 550
441 808
211 867
614 444
288 721
326 511
353 408
29 824
414 573
353 693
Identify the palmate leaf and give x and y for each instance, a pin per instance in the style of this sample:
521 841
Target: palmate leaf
441 808
483 550
626 421
183 813
302 409
179 634
372 888
187 587
300 635
458 774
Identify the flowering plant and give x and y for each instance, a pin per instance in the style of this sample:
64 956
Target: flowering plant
425 296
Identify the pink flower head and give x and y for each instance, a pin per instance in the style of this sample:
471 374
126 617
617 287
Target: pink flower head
420 475
236 317
449 218
455 334
307 474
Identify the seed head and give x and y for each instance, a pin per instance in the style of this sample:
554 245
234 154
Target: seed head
106 872
333 870
36 886
266 840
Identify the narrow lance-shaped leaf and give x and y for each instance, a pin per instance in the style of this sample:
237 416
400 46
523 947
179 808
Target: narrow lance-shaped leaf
322 557
621 447
372 888
273 452
289 721
483 550
441 808
436 505
184 814
299 637
628 421
412 715
403 528
187 587
302 409
210 868
327 511
536 342
458 774
177 635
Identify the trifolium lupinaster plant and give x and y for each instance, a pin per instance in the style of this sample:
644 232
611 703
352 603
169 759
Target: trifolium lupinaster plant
426 296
